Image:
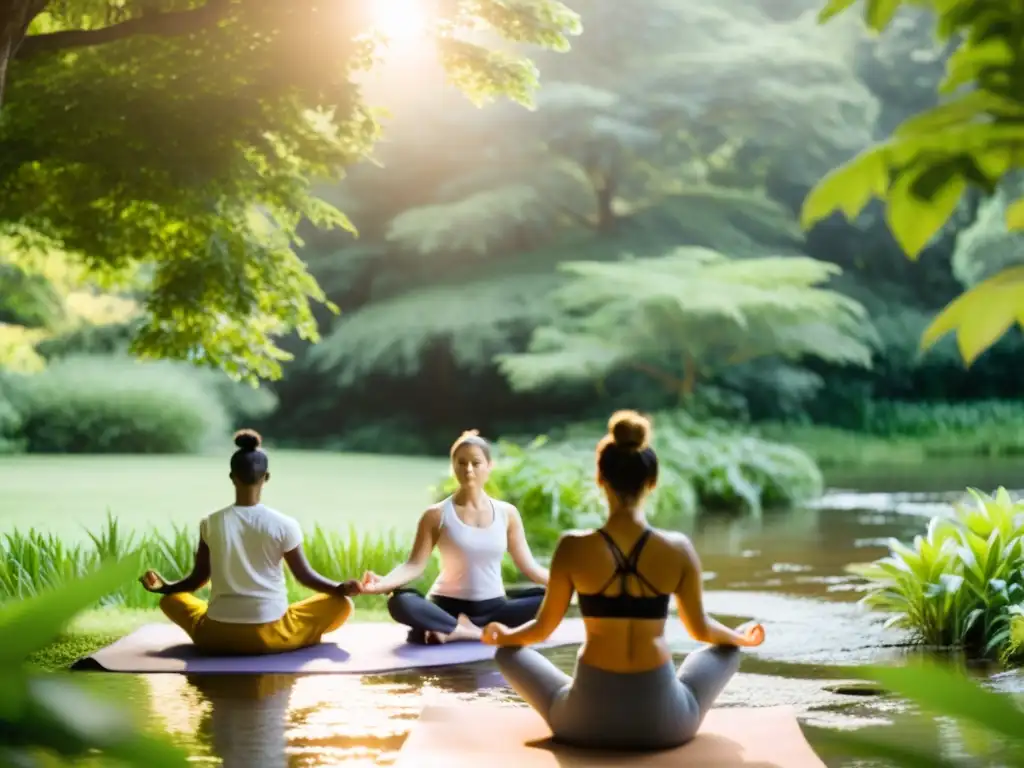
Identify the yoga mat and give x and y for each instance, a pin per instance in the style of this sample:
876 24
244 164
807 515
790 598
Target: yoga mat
357 648
471 735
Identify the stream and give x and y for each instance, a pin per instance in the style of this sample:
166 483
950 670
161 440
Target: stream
787 570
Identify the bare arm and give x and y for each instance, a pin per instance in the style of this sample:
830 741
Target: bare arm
310 579
427 532
519 549
556 600
690 600
197 579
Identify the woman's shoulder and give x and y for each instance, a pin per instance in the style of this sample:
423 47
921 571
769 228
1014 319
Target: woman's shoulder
433 514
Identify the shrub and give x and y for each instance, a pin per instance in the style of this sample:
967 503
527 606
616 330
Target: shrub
116 405
960 584
10 423
553 485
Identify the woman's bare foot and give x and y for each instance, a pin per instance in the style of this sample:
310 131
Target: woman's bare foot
464 630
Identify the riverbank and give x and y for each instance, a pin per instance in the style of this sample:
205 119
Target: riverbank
831 447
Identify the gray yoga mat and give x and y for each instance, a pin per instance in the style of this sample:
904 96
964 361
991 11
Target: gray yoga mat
357 648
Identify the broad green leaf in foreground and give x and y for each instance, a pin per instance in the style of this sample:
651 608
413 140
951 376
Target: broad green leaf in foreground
28 625
871 745
945 692
982 315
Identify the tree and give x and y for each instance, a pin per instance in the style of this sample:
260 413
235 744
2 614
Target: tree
172 147
688 316
632 148
970 141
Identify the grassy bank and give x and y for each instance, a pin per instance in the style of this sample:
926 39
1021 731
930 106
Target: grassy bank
831 447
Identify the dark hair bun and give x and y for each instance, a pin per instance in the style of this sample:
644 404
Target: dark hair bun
630 430
248 439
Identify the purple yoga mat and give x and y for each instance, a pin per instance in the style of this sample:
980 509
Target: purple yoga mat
357 648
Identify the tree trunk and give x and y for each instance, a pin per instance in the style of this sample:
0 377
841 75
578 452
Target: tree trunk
606 220
15 16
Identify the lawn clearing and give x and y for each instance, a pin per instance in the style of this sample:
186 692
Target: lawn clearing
70 494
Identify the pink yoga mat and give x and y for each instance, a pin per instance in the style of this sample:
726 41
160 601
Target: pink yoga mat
357 648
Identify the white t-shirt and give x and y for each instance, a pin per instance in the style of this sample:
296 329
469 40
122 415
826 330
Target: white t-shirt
247 546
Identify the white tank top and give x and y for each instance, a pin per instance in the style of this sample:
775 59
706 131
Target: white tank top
470 556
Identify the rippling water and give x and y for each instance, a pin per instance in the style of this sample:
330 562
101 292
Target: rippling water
787 570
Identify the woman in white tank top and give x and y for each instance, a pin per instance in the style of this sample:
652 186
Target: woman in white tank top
472 533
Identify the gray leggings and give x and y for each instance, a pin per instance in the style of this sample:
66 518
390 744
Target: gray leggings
657 709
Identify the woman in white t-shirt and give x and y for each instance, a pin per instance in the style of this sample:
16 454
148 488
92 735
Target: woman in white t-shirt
242 551
472 533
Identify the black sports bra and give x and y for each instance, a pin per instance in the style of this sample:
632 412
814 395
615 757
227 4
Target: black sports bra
625 605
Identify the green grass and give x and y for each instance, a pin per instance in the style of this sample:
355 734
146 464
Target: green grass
69 494
832 447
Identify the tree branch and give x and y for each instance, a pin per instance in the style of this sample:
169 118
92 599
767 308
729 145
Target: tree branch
160 24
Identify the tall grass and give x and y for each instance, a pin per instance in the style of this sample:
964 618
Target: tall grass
31 561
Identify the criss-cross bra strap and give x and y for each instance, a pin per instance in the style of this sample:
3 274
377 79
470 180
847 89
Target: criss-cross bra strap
626 566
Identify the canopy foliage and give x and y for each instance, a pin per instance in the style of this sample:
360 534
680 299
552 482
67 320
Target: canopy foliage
170 147
689 315
648 136
972 140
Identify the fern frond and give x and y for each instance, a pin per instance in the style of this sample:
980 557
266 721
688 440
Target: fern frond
479 318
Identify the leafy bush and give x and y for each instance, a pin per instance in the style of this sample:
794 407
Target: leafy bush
32 562
116 405
960 584
46 716
552 482
89 339
10 423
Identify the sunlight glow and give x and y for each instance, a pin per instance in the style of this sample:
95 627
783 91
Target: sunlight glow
400 21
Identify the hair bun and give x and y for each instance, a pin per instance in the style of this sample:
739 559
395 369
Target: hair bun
630 430
248 439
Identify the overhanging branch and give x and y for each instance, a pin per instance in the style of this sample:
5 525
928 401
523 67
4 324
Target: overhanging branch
159 24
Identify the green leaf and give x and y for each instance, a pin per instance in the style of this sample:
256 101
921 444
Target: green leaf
833 9
866 744
847 189
981 315
914 220
949 693
1015 215
28 625
970 59
879 13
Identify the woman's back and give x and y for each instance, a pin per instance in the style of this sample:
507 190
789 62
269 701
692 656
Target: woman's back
625 575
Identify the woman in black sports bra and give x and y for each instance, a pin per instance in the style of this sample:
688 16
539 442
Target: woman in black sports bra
626 693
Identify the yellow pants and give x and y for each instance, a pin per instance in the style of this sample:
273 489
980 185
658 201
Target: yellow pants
302 625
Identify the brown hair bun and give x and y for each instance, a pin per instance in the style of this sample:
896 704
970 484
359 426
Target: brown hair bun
630 430
248 439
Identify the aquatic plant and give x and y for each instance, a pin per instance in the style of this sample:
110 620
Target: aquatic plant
32 561
960 584
45 716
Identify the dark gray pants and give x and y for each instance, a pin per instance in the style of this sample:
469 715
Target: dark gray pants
658 709
438 613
